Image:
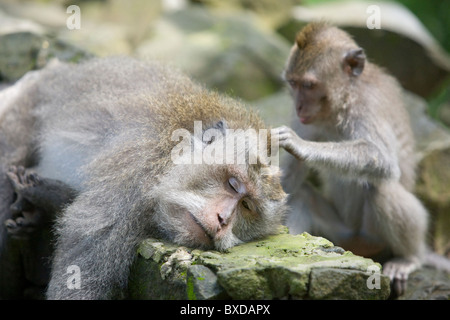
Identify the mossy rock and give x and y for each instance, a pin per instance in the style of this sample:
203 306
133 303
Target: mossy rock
277 267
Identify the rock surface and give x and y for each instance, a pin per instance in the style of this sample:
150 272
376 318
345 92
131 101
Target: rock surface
196 40
279 267
428 284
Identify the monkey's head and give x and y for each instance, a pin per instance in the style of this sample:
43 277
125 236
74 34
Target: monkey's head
218 203
322 67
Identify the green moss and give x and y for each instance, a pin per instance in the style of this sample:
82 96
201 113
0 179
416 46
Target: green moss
278 266
190 289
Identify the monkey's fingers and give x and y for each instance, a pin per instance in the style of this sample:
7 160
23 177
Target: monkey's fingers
32 178
282 138
288 140
15 226
17 207
399 282
398 271
21 179
19 171
283 130
20 227
17 176
286 134
14 178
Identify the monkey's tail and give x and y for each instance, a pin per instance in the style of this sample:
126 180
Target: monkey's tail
437 261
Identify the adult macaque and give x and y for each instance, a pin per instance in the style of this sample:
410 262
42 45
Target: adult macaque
104 129
353 129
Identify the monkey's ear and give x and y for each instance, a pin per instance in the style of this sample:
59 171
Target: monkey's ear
220 125
210 136
354 62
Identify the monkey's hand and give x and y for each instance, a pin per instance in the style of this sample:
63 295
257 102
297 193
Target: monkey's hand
25 217
289 140
398 271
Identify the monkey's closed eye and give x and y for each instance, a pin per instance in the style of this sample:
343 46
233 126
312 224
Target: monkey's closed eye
234 184
245 204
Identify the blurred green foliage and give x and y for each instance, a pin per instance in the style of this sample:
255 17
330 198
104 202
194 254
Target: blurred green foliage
435 16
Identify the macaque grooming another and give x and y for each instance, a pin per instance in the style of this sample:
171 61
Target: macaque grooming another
352 129
106 132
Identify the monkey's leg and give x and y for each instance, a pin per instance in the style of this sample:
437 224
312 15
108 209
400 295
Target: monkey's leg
12 279
400 219
309 210
38 201
312 213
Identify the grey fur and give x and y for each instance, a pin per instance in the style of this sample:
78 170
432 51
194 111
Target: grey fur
363 151
104 128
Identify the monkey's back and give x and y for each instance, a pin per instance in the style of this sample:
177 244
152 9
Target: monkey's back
84 112
389 106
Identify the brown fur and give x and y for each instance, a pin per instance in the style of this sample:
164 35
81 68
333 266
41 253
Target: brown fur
104 128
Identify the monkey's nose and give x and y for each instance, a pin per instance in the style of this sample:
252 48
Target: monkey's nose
224 218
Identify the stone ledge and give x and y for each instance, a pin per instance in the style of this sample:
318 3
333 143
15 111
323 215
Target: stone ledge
282 266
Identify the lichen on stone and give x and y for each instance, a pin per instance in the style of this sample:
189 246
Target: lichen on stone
276 267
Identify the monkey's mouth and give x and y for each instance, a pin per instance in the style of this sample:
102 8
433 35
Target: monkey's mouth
305 120
198 230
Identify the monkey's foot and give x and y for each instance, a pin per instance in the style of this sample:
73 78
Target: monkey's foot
25 218
398 271
22 226
22 179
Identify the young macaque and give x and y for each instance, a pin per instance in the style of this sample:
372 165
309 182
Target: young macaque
110 130
352 129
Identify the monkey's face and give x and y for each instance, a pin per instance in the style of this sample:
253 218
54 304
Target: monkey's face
309 96
322 65
217 206
307 85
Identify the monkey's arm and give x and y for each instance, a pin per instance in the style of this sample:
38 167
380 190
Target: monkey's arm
359 158
98 233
